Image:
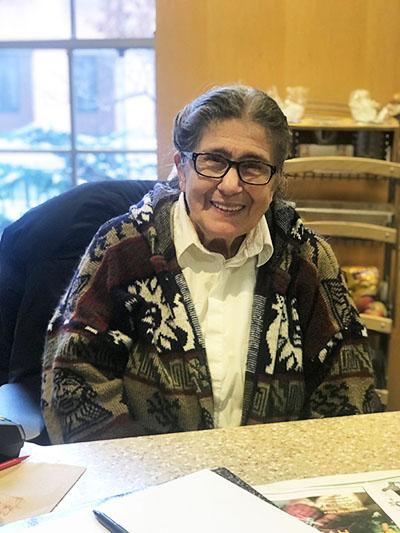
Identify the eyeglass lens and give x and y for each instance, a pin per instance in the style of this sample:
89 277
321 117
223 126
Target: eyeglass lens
216 166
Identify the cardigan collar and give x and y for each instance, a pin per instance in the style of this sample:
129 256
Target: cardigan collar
152 217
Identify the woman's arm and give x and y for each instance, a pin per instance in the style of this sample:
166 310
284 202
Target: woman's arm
86 353
338 371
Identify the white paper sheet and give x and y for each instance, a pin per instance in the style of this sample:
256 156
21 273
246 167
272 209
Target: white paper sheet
203 501
296 488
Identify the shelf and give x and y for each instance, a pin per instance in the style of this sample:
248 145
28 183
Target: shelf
310 212
377 323
354 230
342 123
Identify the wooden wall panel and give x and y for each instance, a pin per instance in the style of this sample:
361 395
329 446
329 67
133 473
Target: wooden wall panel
332 47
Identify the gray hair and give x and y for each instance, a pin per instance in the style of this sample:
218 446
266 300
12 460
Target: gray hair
233 102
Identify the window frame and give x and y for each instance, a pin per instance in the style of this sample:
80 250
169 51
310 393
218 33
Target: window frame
70 46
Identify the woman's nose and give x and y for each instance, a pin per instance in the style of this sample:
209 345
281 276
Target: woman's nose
230 183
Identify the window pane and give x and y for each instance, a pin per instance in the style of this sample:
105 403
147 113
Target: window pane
34 99
34 19
98 19
11 81
116 166
115 99
27 180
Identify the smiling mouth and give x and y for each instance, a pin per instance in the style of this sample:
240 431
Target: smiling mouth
227 208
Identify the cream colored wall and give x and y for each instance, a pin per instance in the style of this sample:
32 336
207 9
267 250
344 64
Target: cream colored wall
330 46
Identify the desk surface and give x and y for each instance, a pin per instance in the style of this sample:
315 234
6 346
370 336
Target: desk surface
259 454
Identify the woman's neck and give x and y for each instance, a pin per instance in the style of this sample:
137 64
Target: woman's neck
221 246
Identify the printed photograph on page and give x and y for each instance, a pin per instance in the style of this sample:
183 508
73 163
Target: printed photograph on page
387 495
352 512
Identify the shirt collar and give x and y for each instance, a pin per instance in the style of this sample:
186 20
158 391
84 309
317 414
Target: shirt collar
258 241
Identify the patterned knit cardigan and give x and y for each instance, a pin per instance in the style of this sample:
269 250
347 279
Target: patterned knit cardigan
125 353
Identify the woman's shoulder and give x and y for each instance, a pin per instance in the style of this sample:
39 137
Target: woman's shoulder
135 224
309 245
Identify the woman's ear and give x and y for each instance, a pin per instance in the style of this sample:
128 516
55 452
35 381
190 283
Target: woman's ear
180 170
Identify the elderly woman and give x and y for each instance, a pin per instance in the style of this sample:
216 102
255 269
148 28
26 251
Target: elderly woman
210 305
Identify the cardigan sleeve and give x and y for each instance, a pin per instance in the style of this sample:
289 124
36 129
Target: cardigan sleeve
339 377
347 387
86 354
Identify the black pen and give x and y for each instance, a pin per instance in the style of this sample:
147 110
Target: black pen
109 523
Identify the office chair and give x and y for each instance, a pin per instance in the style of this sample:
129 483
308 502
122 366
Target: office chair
38 254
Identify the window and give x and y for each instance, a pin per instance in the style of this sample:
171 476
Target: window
10 83
77 98
87 83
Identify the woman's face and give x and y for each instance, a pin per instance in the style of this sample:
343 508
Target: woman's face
224 211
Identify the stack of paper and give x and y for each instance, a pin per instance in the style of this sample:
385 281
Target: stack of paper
203 501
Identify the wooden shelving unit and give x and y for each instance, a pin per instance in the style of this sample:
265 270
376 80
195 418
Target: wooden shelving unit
355 202
378 141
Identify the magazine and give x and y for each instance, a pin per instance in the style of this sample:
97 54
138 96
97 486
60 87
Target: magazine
351 503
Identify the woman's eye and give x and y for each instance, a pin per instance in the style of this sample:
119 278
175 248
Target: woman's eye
214 160
253 167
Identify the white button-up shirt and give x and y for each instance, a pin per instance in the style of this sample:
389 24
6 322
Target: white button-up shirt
222 292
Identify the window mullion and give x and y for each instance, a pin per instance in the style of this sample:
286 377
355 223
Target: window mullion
73 18
70 53
74 176
119 44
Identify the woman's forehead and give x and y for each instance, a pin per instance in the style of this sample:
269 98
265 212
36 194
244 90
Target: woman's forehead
236 135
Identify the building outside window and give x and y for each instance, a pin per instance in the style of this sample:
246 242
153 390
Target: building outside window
77 97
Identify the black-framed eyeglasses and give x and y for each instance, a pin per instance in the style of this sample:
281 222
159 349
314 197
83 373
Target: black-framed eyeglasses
216 166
